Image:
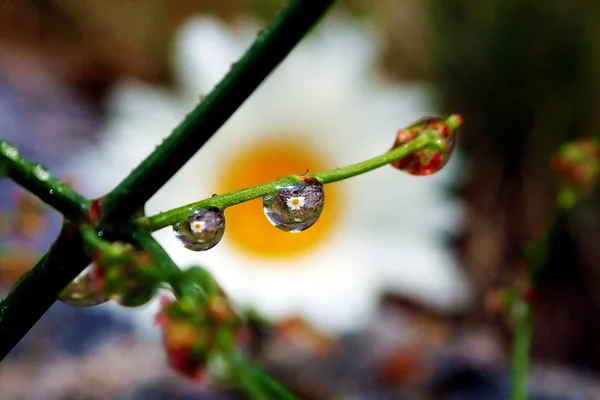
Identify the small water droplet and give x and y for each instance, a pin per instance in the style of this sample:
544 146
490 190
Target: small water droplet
51 191
202 230
41 172
427 161
296 207
9 150
84 291
134 293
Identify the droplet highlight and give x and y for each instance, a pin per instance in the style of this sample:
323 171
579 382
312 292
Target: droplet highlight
296 207
202 230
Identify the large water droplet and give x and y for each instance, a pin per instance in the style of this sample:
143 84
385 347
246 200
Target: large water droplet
84 291
430 160
202 230
296 207
9 150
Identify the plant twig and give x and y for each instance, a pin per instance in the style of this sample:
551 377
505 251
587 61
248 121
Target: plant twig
38 181
520 350
270 47
537 253
223 201
171 272
38 289
254 382
276 389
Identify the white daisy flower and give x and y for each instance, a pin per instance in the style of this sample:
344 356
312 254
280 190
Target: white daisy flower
198 226
295 202
323 107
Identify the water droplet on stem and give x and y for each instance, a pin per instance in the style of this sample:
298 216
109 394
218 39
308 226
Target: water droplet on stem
296 207
202 230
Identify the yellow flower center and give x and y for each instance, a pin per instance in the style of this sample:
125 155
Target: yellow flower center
247 227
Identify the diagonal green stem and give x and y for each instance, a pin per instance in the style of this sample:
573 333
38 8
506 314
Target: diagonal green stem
277 390
538 253
38 181
269 49
38 289
520 350
253 381
171 272
223 201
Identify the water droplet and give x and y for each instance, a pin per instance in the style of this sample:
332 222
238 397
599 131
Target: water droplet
296 207
51 191
9 150
41 172
202 230
430 160
134 293
84 291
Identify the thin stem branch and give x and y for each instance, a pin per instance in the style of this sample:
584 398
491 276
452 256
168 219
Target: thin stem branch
540 249
223 201
538 254
269 49
171 272
398 153
520 350
38 181
255 382
276 389
38 289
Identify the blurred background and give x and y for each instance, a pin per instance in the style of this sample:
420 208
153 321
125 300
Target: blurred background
390 295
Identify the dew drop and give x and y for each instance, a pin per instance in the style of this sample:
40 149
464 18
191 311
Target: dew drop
428 161
134 293
41 172
9 150
296 207
84 291
202 230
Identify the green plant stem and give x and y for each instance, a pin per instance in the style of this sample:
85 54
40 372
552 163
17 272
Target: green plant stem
537 253
242 375
91 240
223 201
269 49
38 289
520 350
398 153
37 180
276 389
171 272
539 250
